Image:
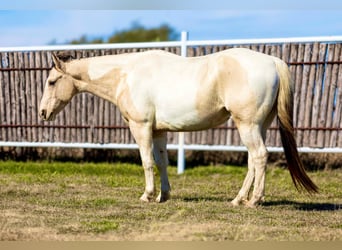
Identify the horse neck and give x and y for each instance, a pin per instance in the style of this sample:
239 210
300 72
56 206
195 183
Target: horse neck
104 87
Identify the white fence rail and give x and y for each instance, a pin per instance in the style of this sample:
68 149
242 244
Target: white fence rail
183 44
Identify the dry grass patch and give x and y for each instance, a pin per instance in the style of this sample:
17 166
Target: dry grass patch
70 201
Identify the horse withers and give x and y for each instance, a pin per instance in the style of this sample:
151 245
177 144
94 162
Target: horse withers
157 91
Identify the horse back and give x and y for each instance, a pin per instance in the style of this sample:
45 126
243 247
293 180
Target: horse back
201 92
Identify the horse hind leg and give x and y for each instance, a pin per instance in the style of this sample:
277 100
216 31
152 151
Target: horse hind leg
242 197
252 135
161 159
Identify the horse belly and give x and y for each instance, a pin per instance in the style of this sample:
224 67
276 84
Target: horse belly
189 107
184 118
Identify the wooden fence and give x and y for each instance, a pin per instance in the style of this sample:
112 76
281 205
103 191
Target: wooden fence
316 69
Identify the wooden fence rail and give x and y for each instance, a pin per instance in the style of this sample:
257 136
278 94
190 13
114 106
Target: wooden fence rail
316 69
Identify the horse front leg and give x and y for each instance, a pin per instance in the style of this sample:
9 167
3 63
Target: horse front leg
161 159
142 132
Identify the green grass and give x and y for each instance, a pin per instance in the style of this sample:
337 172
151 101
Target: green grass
101 226
86 201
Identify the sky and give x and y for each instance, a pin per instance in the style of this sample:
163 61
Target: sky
32 24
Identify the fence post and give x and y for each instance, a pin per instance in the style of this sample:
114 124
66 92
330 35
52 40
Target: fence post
181 151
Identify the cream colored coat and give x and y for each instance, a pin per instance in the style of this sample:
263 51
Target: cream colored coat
157 91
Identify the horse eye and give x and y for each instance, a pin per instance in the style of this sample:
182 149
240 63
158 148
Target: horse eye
52 83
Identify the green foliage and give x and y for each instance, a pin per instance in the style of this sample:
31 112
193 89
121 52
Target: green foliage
85 40
136 33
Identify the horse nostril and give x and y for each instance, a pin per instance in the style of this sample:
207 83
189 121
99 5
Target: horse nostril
43 113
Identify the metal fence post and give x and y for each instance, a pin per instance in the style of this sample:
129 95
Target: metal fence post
181 151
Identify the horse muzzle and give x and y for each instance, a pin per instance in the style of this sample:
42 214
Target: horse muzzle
45 115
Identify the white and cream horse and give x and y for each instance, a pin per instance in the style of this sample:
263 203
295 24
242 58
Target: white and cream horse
157 91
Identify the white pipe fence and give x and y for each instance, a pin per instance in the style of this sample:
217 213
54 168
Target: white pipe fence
181 147
185 43
196 147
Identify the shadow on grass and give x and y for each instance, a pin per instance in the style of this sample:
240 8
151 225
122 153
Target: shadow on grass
205 198
305 206
296 205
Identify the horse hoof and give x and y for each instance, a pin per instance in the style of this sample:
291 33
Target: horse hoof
237 202
250 205
253 203
146 198
163 197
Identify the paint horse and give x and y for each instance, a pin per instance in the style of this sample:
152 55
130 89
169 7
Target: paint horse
157 91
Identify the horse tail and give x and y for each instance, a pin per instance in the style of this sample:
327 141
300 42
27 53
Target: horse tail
285 116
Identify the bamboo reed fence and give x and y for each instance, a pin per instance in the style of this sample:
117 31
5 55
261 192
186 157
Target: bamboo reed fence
316 69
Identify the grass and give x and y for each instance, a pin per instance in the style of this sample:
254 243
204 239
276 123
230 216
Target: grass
72 201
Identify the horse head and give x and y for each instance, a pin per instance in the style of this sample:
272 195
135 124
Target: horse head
58 90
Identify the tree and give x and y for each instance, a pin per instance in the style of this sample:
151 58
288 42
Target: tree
84 40
136 33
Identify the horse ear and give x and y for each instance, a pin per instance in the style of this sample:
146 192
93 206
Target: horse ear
58 64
